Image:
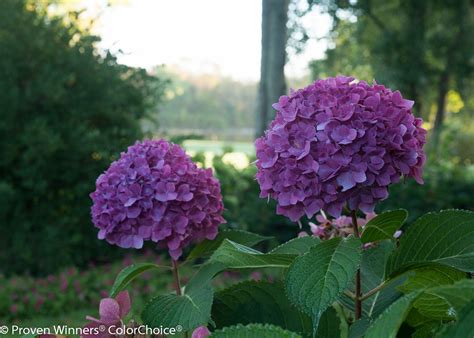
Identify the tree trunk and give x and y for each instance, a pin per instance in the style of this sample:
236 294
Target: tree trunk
272 77
441 109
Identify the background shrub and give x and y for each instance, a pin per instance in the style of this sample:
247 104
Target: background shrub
66 112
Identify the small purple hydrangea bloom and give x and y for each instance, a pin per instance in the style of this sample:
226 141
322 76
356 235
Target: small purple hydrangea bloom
338 142
155 192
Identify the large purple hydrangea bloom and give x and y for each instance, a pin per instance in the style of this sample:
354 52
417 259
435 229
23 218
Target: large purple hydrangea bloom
338 141
155 192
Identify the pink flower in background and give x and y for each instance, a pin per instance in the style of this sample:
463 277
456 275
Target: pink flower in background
337 227
112 312
302 234
201 332
338 142
155 192
256 276
14 309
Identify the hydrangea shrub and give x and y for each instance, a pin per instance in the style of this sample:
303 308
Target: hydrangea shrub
330 154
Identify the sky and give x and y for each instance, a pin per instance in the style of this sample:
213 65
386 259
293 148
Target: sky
204 36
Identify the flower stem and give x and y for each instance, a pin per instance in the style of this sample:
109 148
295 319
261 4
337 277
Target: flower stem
358 300
177 285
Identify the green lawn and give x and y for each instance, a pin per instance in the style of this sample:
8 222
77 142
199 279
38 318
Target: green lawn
216 147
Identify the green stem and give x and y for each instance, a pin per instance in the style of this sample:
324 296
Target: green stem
373 291
177 285
358 299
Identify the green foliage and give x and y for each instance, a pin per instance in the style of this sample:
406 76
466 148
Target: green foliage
390 320
209 104
383 226
258 302
372 275
237 256
431 276
317 278
207 247
254 331
297 246
244 208
405 289
444 238
128 274
330 325
67 111
447 186
189 310
463 327
445 301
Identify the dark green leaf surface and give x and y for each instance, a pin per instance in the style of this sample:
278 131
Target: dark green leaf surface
432 276
258 302
464 327
254 331
389 321
236 256
329 325
446 238
128 274
317 278
207 247
296 246
189 310
372 271
384 226
445 301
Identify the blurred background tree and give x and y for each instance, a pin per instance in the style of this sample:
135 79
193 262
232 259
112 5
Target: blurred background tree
273 58
66 112
423 48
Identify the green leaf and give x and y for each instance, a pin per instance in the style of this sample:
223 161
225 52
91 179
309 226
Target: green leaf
384 226
329 325
389 321
464 326
317 278
372 272
445 301
358 328
236 256
189 310
416 319
446 237
427 330
130 273
297 246
254 331
258 302
207 247
432 276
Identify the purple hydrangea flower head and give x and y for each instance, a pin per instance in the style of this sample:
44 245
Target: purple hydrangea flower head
338 142
155 192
